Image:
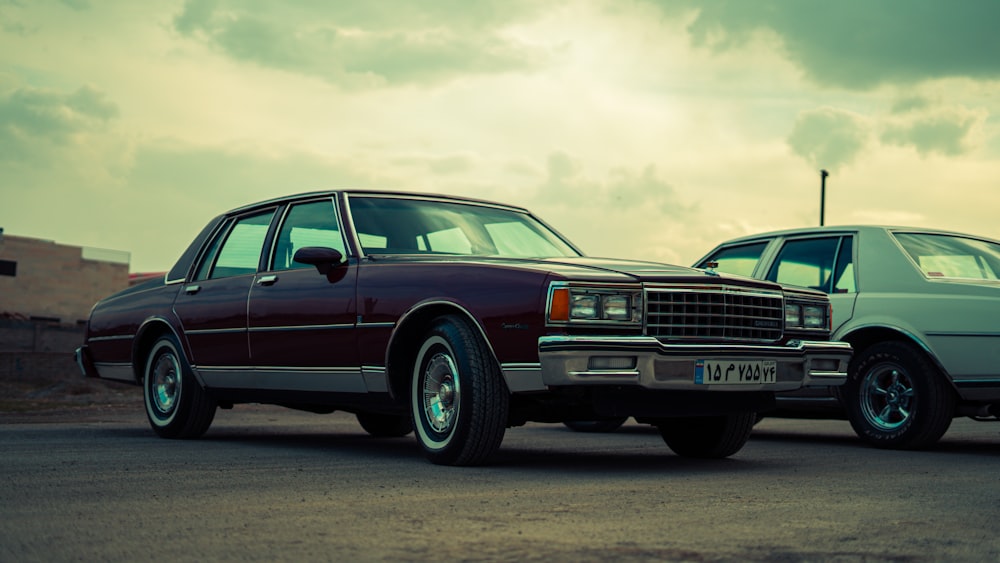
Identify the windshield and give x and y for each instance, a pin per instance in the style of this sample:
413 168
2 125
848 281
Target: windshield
387 225
949 256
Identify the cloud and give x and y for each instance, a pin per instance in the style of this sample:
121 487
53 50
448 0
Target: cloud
359 45
78 5
909 103
829 137
623 190
944 131
236 175
858 44
32 118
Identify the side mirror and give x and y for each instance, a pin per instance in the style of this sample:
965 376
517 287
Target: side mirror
325 259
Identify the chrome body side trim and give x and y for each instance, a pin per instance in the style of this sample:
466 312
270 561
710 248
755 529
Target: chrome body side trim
294 328
119 371
328 380
376 380
111 338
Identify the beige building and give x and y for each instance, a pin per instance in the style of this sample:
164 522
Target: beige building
44 281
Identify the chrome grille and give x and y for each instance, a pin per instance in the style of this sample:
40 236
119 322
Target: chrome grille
714 313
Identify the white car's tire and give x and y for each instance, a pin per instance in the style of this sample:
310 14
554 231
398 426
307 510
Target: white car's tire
897 398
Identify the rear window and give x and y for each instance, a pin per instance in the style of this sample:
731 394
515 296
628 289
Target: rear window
950 256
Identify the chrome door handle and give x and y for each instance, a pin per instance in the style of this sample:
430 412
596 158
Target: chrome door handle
267 280
192 289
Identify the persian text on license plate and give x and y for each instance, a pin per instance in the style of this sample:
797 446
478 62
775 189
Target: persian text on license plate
735 372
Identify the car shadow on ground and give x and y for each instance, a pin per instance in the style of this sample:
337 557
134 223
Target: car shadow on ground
949 444
599 457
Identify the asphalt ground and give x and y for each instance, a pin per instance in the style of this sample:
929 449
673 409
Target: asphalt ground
85 479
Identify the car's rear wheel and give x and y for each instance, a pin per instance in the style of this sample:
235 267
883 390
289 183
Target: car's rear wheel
707 437
176 405
385 425
459 402
897 398
596 426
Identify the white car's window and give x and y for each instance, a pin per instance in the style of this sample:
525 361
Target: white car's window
843 275
740 260
948 256
807 263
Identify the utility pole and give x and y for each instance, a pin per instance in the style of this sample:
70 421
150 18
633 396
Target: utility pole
822 195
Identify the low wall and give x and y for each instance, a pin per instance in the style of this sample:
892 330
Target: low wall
38 366
30 350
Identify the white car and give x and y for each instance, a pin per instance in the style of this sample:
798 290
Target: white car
920 307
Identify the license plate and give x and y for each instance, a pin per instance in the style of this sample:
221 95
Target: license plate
735 372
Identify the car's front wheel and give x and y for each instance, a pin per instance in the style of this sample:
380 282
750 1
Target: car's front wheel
176 405
459 402
709 437
897 398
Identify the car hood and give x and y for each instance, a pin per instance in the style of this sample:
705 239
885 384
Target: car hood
607 270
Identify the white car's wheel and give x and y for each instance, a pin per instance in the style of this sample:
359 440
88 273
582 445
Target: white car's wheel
896 398
459 402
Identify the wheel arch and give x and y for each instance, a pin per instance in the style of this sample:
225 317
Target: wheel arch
405 341
150 330
862 338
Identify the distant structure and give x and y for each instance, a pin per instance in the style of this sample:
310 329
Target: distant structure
47 282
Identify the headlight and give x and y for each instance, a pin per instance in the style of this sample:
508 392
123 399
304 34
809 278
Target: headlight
569 304
793 315
617 307
801 315
814 316
584 307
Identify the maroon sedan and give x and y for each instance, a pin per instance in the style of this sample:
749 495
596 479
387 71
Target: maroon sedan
455 318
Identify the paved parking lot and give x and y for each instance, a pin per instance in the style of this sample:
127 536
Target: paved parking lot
267 483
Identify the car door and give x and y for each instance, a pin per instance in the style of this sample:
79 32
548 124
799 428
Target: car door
825 263
301 322
212 306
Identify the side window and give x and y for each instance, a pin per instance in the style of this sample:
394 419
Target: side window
843 277
239 253
806 263
740 260
306 224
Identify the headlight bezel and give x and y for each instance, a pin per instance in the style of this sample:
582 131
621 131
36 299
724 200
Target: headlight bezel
589 304
804 315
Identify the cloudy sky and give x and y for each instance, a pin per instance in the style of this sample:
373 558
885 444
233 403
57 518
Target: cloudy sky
639 128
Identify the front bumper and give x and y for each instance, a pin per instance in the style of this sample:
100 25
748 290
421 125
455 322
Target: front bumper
569 361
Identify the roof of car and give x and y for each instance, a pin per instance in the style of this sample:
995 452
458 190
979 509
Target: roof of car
373 192
848 228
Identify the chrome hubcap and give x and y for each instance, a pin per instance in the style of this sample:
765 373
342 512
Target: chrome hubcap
165 383
440 392
886 397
